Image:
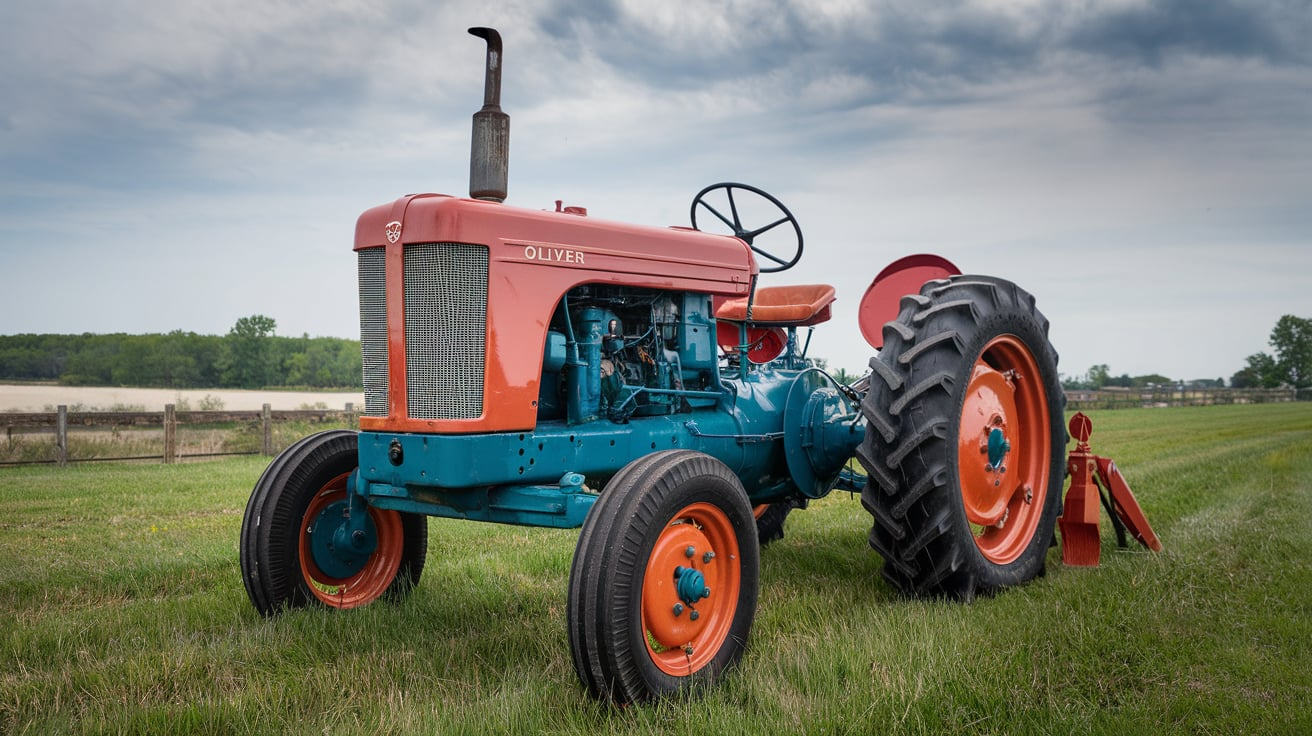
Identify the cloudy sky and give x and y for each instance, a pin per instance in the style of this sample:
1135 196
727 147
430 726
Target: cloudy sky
1144 167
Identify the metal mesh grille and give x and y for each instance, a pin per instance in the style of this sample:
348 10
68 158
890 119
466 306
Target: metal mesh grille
445 329
373 329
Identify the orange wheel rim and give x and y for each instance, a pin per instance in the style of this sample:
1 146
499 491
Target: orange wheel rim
378 571
684 632
1003 449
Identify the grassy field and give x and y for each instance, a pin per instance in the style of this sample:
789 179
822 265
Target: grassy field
122 611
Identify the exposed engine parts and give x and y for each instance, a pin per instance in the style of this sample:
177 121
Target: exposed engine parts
621 352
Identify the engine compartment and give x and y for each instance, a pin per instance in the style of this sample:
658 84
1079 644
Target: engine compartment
617 352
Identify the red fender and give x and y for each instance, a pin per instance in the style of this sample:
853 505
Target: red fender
899 278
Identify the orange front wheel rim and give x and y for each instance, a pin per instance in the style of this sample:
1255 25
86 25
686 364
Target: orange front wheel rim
690 589
347 579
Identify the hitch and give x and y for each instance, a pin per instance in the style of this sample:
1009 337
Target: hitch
1095 479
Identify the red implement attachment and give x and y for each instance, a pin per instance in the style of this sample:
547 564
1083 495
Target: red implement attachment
1095 479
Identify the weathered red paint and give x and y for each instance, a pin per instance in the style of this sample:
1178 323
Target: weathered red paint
535 257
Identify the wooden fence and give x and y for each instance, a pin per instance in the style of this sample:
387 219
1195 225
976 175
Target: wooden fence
1167 396
62 423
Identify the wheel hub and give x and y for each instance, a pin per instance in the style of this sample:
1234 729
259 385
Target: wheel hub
681 575
340 548
691 585
988 420
998 447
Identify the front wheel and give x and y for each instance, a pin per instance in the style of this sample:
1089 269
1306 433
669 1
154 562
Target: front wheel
306 539
662 589
965 441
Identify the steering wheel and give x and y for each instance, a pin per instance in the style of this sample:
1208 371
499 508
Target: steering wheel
749 235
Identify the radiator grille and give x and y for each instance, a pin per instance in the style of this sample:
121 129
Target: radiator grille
373 330
445 329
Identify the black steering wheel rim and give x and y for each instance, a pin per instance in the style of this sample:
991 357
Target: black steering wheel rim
742 232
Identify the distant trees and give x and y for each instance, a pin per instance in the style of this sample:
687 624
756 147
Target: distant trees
844 377
1100 377
249 356
1292 362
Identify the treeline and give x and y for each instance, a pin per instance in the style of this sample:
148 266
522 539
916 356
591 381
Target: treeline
249 356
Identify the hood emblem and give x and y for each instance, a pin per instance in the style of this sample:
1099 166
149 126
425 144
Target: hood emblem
393 231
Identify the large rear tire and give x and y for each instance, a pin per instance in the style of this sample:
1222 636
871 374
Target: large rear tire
291 552
965 442
662 589
770 518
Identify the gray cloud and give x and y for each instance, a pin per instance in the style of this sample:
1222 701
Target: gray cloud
1079 146
1275 32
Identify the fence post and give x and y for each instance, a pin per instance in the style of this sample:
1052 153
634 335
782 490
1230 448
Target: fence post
61 436
170 434
266 417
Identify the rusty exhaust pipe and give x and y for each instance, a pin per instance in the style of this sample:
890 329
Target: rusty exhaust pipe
489 157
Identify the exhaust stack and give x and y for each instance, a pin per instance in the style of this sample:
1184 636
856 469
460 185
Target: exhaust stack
489 157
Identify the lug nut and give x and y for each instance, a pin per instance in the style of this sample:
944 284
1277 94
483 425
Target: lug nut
694 615
690 551
678 609
708 557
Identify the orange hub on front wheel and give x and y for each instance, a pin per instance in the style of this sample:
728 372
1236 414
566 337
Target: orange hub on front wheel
690 589
345 565
1003 446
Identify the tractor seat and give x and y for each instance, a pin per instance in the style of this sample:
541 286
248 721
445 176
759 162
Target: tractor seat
786 306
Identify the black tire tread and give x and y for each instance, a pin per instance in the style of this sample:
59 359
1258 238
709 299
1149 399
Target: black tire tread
268 545
911 495
606 566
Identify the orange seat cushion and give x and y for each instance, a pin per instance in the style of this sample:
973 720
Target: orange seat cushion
806 304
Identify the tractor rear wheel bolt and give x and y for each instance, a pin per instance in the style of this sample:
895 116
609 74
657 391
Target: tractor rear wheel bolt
678 609
708 557
693 615
690 551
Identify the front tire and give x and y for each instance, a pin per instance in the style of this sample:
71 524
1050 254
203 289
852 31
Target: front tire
663 585
965 442
292 553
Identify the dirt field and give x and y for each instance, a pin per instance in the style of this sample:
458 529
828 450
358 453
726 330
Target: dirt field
27 398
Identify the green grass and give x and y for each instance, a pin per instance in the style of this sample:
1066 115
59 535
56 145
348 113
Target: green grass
122 611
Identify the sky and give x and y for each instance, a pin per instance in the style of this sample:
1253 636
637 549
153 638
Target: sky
1143 167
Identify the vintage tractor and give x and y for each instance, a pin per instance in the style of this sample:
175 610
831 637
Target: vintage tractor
548 368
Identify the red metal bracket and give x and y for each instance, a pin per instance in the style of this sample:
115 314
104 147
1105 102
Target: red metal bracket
1095 479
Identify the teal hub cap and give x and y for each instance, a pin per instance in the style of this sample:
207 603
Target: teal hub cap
998 447
690 584
340 548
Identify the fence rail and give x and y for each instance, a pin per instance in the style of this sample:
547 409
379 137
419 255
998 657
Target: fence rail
20 427
1164 396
